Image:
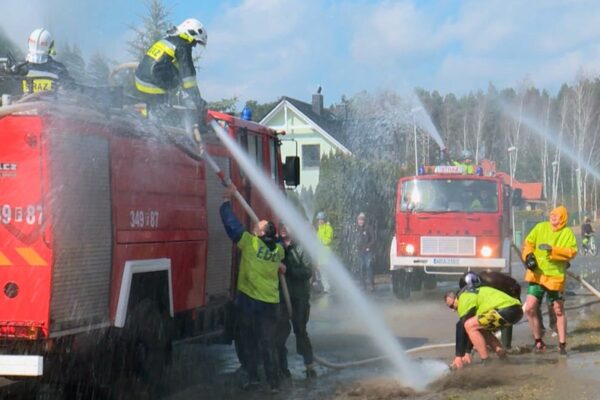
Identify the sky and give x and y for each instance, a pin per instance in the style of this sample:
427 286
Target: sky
264 49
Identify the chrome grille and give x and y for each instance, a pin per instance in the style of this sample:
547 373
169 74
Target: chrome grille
448 245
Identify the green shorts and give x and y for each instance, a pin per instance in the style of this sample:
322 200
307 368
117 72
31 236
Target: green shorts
538 291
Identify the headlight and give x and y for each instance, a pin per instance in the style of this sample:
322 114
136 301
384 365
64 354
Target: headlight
486 251
410 249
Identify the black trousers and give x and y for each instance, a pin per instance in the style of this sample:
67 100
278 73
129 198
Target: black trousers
257 322
298 322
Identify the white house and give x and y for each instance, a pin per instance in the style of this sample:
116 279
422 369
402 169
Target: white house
310 131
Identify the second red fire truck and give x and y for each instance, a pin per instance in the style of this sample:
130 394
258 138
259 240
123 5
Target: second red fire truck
449 222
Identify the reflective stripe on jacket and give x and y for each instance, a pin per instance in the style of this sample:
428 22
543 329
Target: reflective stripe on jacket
167 64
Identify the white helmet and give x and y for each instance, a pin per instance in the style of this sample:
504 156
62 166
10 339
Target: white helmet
41 44
195 29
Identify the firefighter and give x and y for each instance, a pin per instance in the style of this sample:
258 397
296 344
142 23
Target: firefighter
546 252
41 71
363 239
168 64
325 235
257 298
298 273
466 161
587 233
483 310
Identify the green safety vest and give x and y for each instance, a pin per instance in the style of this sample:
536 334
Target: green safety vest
259 269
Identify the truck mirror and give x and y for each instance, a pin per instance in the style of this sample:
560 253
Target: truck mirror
517 197
291 171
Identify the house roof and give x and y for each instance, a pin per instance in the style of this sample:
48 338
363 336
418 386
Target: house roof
531 190
327 124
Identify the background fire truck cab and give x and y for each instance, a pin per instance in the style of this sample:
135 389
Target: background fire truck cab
111 244
447 223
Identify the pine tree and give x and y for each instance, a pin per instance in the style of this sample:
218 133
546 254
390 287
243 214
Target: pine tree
154 25
71 57
98 70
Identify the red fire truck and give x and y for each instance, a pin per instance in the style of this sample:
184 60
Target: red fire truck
449 222
110 236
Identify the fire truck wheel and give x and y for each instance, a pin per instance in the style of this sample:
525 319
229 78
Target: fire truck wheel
148 342
416 278
400 284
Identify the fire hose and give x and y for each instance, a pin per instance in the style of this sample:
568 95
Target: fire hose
573 275
283 284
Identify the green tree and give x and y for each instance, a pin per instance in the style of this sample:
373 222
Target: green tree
260 110
224 105
154 25
73 60
347 186
98 70
7 46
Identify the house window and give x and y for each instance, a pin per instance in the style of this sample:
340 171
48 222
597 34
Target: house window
311 155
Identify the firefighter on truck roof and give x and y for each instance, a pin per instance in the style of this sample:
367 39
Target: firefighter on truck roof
40 69
168 64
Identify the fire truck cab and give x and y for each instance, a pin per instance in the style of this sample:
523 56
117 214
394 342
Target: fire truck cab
448 222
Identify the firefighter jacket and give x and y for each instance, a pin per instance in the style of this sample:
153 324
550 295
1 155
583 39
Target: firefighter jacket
258 276
552 264
325 234
479 301
298 271
42 77
168 64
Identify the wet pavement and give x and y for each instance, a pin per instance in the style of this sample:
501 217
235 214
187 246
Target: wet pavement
338 335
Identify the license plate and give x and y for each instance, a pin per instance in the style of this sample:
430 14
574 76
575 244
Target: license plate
445 261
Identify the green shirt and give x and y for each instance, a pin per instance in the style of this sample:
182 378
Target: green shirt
542 233
489 298
259 269
466 301
484 299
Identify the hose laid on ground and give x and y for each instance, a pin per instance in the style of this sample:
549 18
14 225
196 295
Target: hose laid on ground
573 275
359 363
584 283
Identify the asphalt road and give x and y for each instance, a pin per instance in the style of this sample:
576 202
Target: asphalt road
339 335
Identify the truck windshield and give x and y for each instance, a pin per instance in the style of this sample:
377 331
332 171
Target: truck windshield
449 195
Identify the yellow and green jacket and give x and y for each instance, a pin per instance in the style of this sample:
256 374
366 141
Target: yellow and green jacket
482 300
325 234
551 271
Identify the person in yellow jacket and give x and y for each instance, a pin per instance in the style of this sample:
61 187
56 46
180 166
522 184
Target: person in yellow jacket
325 235
546 252
482 310
257 299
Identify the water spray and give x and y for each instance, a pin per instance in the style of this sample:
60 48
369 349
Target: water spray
410 374
225 181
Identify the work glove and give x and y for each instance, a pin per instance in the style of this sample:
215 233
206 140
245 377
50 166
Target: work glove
545 246
531 262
